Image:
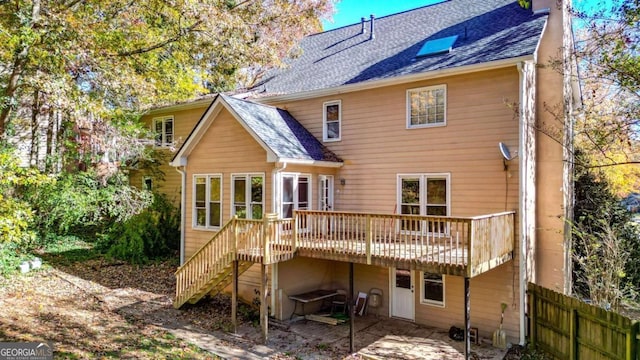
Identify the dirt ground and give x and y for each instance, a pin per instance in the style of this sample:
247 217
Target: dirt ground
98 309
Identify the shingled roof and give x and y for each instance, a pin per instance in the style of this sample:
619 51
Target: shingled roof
282 136
280 131
488 30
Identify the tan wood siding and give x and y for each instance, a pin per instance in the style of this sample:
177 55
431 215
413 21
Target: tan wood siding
183 122
300 275
550 247
376 146
226 148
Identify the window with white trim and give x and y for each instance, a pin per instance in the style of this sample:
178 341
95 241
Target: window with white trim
332 120
207 201
424 194
432 289
163 128
147 183
427 106
247 195
296 193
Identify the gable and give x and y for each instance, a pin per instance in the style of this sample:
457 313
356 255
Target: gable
275 130
227 143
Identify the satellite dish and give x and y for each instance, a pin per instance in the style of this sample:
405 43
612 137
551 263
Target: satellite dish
505 152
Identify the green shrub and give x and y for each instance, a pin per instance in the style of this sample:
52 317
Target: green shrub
82 204
11 255
154 233
606 243
16 215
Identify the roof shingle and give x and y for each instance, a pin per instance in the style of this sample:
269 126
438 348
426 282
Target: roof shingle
280 131
488 30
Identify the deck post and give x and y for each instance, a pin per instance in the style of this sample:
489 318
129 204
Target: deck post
294 232
236 231
352 314
369 231
467 319
264 316
267 231
234 297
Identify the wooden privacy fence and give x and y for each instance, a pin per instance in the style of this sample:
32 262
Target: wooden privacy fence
568 328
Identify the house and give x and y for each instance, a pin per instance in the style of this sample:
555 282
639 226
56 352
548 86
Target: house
632 202
406 153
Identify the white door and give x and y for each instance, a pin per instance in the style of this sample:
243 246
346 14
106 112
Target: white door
402 296
325 201
325 191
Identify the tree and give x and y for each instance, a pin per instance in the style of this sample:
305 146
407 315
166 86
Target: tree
605 243
607 52
69 63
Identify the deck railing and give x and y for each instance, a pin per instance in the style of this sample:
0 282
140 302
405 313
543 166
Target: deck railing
211 259
464 245
239 239
473 244
493 240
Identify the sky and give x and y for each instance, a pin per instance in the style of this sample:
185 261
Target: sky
350 11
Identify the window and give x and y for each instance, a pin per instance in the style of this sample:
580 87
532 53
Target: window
248 196
296 193
207 201
163 127
147 183
437 46
424 194
432 289
331 120
426 106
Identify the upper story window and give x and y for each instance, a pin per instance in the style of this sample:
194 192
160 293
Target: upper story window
147 183
163 128
331 120
248 195
427 106
207 201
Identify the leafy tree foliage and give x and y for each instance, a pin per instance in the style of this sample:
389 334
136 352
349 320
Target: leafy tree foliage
15 213
76 74
608 44
606 243
79 203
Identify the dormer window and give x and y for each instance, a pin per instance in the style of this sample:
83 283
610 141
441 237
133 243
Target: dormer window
426 107
331 120
163 127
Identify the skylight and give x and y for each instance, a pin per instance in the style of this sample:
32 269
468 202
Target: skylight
437 46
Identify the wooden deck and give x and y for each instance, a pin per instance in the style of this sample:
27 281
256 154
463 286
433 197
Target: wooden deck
463 246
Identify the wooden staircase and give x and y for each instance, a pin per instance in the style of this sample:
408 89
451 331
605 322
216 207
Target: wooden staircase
247 241
210 269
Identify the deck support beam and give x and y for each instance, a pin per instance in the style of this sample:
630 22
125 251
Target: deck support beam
467 319
234 296
352 314
264 315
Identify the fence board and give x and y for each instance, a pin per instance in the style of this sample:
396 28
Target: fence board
568 328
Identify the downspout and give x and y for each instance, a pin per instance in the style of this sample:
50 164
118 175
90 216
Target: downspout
522 260
183 209
275 205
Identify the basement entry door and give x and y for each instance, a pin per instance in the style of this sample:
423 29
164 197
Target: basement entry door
402 294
